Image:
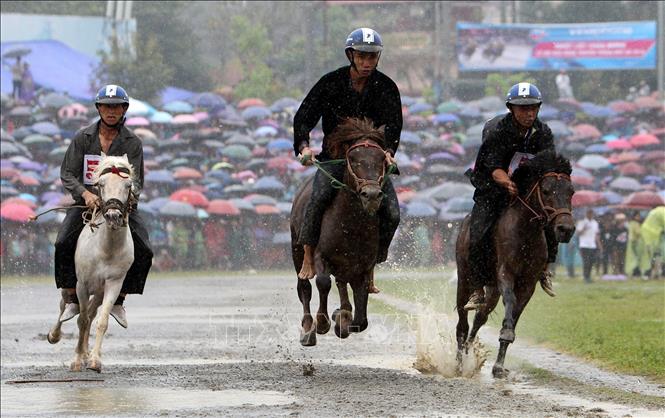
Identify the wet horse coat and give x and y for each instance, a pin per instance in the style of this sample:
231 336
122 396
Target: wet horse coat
104 254
520 255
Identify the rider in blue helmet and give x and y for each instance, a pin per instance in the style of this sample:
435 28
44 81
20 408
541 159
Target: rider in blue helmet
506 138
110 136
357 90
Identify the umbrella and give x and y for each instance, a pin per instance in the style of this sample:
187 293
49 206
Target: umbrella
139 108
266 131
21 200
597 148
584 198
643 200
420 107
20 111
240 139
625 157
469 112
73 110
37 139
619 144
8 148
268 183
260 199
161 117
489 103
182 173
585 130
593 162
190 196
144 133
245 103
281 238
632 169
137 121
8 190
658 181
159 176
596 111
643 140
648 102
178 106
419 209
16 212
16 52
55 100
441 156
285 103
256 112
611 197
222 207
475 130
184 119
625 183
242 204
45 128
280 144
237 152
448 107
408 137
207 100
445 118
284 207
175 208
548 113
266 210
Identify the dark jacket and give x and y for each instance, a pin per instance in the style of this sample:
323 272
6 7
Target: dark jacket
501 140
86 141
333 99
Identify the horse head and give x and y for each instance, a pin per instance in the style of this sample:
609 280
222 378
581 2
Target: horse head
114 179
362 146
545 180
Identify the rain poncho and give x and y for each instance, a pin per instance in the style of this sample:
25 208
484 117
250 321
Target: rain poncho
636 257
652 230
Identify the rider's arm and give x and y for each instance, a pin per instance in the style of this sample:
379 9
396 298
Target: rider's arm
307 116
392 105
501 177
71 168
135 157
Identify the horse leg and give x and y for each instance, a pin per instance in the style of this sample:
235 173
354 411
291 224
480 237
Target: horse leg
83 322
344 314
111 292
360 294
92 312
308 331
323 284
507 333
54 333
481 316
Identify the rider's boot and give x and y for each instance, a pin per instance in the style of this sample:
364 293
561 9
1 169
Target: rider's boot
118 312
546 279
71 308
372 287
476 301
307 271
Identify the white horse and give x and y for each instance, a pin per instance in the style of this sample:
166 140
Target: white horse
104 254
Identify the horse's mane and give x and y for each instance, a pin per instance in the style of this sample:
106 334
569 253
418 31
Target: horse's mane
532 170
353 129
110 161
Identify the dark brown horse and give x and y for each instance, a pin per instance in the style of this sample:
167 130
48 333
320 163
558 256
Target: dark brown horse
348 244
520 248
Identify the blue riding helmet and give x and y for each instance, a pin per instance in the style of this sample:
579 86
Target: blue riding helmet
364 39
111 94
523 94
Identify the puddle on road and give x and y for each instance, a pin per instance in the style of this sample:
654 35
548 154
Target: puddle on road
35 401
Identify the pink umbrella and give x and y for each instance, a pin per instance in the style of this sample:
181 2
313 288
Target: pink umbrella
72 110
585 130
643 140
16 212
201 116
184 119
631 169
619 144
137 121
648 102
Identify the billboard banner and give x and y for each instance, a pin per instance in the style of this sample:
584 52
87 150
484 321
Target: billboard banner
579 46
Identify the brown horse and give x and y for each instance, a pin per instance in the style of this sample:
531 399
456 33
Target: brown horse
348 244
520 248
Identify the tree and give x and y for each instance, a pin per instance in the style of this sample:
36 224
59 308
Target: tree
143 77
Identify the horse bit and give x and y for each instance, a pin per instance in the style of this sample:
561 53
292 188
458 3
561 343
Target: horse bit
550 213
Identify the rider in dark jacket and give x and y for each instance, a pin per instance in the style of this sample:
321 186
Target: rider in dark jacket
358 90
519 131
110 136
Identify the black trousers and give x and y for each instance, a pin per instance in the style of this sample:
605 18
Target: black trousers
588 259
486 211
322 196
65 247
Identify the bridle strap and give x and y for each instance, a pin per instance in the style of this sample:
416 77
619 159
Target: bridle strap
113 203
361 182
549 213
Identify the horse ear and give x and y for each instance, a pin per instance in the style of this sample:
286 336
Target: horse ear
124 157
382 129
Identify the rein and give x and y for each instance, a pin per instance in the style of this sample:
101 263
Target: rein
548 214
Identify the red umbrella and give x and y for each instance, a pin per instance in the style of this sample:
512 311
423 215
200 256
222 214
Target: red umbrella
26 181
648 102
643 200
631 169
266 210
19 201
624 157
643 140
252 101
619 144
586 130
653 155
16 212
181 173
279 163
621 106
193 197
584 198
8 173
222 207
581 180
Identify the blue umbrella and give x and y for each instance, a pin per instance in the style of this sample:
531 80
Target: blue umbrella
548 113
613 198
156 203
597 111
445 118
285 103
559 128
159 176
420 107
266 131
470 112
178 106
408 101
420 210
180 209
256 112
280 144
597 148
458 204
657 180
268 183
409 137
46 128
219 175
207 100
161 117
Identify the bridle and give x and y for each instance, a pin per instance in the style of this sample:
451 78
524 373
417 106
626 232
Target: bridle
361 182
114 203
548 213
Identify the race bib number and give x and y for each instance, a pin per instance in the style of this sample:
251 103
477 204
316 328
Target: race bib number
518 159
90 162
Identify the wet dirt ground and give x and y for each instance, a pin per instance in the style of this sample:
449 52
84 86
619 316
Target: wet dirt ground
228 345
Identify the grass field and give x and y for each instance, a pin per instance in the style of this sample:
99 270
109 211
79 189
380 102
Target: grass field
616 325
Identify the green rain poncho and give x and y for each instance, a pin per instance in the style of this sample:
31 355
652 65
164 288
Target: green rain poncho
652 231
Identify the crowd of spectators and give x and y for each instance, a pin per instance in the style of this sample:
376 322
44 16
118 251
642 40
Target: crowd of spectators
221 174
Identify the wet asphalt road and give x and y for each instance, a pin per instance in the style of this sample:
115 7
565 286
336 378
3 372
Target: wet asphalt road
228 346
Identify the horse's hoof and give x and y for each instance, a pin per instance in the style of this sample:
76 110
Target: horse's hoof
53 339
308 339
507 335
499 372
322 325
95 366
75 366
358 327
341 334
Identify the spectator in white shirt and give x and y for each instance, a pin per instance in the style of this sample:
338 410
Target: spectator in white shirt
563 85
588 233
